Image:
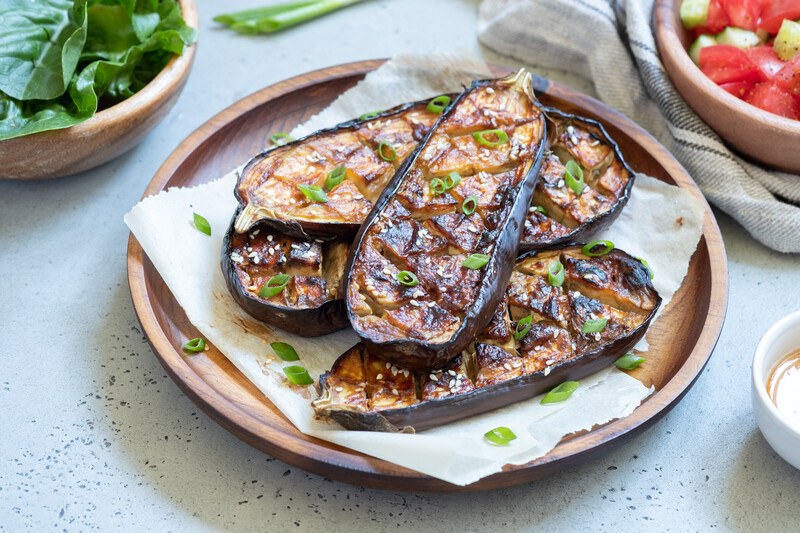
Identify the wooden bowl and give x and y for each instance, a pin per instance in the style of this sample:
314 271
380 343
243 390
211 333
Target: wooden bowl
681 341
108 134
757 134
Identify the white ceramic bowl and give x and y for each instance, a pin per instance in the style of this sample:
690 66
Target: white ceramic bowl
779 340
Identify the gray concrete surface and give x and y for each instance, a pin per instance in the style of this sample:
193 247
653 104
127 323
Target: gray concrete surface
95 436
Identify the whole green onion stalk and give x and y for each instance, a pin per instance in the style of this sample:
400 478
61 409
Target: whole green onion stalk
277 17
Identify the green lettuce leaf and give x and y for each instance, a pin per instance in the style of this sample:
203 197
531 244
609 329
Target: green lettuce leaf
40 45
114 64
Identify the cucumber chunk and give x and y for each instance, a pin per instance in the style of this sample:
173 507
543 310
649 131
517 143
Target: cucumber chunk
700 43
694 13
787 42
738 37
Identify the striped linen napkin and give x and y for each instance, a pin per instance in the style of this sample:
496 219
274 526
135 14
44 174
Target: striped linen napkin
611 42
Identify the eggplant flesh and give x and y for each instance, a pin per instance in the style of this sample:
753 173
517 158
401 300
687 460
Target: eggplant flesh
268 186
558 214
363 392
310 304
419 228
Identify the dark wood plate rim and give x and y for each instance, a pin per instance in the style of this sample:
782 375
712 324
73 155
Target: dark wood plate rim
335 462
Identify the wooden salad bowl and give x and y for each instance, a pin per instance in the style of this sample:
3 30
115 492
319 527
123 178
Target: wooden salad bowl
109 133
764 137
681 341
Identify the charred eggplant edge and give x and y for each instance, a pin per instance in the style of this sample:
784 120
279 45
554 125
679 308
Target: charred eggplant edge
315 229
603 220
307 322
496 272
441 411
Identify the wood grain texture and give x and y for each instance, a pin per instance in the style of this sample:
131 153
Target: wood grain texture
764 137
108 134
681 342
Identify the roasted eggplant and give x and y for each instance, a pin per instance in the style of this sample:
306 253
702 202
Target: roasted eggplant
367 152
291 283
564 212
428 266
545 331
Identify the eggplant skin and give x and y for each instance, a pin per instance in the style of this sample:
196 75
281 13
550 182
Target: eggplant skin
420 354
403 124
326 318
601 220
627 285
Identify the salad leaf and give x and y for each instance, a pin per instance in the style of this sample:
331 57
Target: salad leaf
40 45
114 64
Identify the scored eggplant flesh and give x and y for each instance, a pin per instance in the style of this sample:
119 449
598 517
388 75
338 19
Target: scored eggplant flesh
418 229
268 187
311 302
363 392
568 216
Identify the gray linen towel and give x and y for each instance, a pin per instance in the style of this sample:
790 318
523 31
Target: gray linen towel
611 42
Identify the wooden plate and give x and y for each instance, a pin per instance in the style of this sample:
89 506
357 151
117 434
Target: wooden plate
681 342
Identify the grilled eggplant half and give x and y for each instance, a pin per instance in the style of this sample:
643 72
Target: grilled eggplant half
564 212
291 283
429 264
366 153
540 335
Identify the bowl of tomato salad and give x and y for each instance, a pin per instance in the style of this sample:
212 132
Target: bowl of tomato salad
737 64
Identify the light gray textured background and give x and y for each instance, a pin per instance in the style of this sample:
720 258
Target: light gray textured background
94 435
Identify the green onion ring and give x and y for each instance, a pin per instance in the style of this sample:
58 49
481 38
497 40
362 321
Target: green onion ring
594 325
392 155
439 104
526 323
573 176
588 249
409 279
437 186
370 115
555 273
284 351
280 138
314 193
540 209
560 393
629 361
274 285
499 436
480 136
476 261
469 205
195 345
297 375
201 224
452 179
335 177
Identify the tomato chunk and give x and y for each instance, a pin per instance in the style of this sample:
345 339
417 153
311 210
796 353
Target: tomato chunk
738 88
772 16
726 64
766 60
743 13
789 76
771 97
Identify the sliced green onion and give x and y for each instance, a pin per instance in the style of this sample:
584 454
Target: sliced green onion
629 361
476 261
195 345
647 266
560 393
483 137
409 279
523 327
274 285
452 179
594 325
540 209
201 224
437 186
314 192
439 104
280 138
555 274
499 436
280 16
469 205
370 115
284 351
573 176
335 177
386 151
297 375
589 249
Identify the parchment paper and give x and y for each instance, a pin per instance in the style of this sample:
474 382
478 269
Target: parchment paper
661 224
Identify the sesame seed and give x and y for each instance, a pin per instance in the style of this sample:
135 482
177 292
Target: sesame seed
597 336
406 372
252 288
256 260
271 251
549 362
270 238
506 366
379 377
547 370
387 271
451 372
556 334
490 90
414 303
338 389
394 391
570 129
431 304
432 377
418 294
388 365
256 232
560 183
